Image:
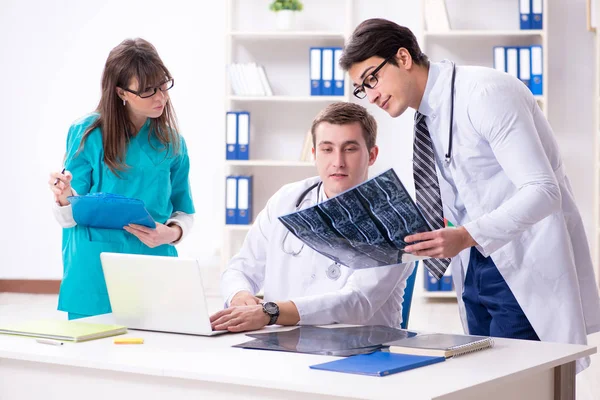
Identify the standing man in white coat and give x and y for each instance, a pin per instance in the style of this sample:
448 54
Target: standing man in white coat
485 159
300 285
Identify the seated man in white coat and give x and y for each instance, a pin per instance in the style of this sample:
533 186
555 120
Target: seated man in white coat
300 285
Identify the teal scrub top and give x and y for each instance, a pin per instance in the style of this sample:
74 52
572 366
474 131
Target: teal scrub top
156 176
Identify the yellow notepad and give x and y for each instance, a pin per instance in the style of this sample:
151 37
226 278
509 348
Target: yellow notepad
73 331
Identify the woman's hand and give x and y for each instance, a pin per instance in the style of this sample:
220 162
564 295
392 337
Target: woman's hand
160 235
60 185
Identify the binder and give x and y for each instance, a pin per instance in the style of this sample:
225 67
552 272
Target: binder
525 13
109 211
243 135
231 200
338 73
537 14
327 71
315 71
446 282
537 73
379 363
500 58
244 200
512 61
432 284
525 65
231 136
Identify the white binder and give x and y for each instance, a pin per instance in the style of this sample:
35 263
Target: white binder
525 65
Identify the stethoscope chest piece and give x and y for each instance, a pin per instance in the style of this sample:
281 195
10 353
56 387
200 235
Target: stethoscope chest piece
333 271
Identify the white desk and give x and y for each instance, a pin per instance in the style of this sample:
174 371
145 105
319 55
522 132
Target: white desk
169 366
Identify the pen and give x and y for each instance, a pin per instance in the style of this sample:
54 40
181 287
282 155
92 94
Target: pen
49 341
62 172
129 341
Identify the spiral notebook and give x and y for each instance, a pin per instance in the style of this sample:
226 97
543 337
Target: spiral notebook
439 344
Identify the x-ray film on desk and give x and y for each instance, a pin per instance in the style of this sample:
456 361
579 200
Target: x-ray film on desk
363 227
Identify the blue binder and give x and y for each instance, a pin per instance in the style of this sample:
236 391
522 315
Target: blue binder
525 14
109 211
446 282
315 71
244 200
243 135
525 65
537 13
338 73
231 200
379 363
231 136
537 73
432 284
512 61
327 71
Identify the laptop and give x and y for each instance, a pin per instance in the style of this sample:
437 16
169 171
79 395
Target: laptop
157 293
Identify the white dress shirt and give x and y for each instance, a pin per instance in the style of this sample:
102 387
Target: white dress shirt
366 296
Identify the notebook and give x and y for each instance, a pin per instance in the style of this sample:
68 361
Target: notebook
439 344
109 211
379 363
73 331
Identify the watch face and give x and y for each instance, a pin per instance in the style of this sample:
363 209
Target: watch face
271 308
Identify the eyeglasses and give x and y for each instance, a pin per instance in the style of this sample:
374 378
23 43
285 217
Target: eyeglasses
151 91
370 81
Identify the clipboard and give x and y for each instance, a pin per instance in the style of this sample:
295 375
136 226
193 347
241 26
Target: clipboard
109 211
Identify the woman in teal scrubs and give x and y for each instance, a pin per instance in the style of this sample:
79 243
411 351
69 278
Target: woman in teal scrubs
130 146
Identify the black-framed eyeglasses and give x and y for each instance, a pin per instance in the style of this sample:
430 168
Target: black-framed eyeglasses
151 91
370 81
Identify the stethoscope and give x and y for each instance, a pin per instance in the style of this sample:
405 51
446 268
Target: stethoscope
448 156
333 271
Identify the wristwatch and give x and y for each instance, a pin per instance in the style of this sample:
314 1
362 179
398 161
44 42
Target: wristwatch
272 310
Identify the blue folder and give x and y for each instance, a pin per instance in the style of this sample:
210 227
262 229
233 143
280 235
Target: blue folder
109 211
379 363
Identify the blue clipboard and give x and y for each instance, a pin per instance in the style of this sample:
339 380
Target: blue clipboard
109 211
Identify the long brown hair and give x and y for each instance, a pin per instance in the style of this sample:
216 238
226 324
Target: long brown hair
133 58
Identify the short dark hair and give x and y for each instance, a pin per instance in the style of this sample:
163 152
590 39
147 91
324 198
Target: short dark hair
382 38
343 113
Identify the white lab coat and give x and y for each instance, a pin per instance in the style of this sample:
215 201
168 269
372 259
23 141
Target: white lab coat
508 174
367 296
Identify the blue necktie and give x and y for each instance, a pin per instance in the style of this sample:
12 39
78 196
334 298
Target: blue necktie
427 188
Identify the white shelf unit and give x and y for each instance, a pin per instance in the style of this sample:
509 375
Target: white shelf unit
286 35
287 98
474 46
278 123
439 295
477 43
596 130
268 163
481 32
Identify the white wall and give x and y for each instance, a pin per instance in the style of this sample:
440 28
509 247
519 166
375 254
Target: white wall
52 58
53 54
